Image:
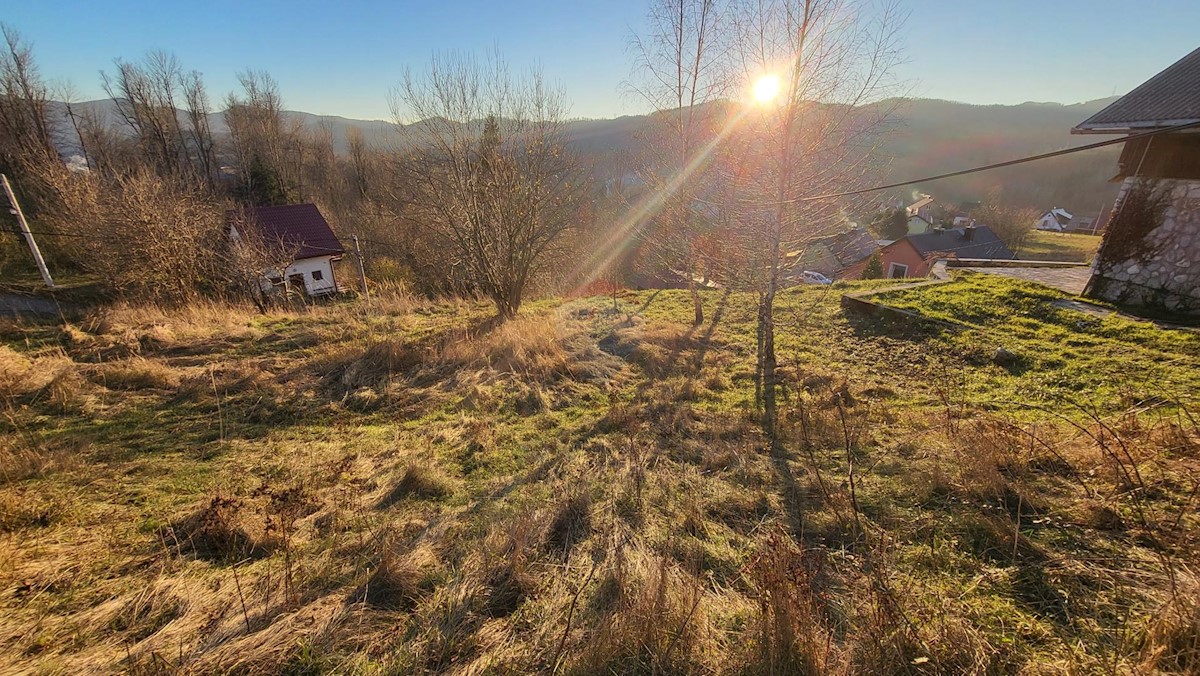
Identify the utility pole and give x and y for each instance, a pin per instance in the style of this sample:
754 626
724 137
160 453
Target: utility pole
33 247
362 274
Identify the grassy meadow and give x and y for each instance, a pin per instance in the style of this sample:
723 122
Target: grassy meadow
1042 245
412 489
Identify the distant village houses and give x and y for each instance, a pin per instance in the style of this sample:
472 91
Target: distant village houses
1055 220
915 255
925 207
833 254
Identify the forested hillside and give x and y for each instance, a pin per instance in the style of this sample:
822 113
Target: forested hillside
927 137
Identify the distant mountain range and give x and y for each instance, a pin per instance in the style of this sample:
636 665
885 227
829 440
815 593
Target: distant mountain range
930 137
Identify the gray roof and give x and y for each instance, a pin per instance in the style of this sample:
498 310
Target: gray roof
984 244
1168 99
851 246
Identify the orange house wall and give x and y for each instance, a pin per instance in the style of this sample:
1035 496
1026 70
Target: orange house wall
900 251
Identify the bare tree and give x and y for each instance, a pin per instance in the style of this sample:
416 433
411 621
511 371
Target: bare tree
1010 223
27 131
201 142
488 172
262 143
166 110
681 70
832 59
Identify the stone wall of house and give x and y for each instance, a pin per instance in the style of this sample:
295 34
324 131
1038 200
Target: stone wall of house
1168 277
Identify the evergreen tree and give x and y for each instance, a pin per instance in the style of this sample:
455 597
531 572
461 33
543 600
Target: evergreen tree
874 267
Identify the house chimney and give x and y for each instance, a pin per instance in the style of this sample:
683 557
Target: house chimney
969 232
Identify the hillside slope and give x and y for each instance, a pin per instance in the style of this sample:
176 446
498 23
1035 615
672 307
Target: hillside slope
414 491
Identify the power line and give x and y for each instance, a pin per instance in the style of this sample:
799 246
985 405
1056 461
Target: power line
974 170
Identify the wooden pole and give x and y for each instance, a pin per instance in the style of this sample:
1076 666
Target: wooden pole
362 274
33 247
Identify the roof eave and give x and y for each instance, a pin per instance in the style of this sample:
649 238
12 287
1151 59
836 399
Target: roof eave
1131 127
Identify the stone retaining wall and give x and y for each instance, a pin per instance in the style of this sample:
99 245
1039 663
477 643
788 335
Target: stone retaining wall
1170 278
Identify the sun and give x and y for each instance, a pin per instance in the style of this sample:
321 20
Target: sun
766 89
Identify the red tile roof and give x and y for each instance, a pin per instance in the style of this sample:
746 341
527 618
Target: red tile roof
293 225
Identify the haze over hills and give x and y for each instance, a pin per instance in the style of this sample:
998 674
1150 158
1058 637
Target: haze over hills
929 137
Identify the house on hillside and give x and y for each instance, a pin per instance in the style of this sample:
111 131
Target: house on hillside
914 255
1055 220
833 254
1150 255
300 239
1091 224
925 207
918 224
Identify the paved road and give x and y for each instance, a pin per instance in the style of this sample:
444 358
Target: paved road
1071 280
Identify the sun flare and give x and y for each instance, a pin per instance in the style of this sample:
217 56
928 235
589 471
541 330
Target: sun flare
766 89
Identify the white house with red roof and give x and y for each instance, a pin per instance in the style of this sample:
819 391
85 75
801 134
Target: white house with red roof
303 234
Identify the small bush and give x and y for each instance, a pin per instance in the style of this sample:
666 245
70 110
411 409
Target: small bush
215 532
400 580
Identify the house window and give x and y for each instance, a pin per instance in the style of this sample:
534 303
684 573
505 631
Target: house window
318 275
897 271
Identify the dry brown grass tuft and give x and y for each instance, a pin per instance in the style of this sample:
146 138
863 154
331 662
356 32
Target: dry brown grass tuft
794 636
22 375
136 373
68 392
347 370
158 326
529 346
148 611
421 479
658 622
1172 641
401 579
26 512
21 459
659 348
15 372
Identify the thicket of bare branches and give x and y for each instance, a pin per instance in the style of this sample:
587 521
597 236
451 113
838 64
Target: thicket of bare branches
165 109
27 129
1010 223
487 177
141 235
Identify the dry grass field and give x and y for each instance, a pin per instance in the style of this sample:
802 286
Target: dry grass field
413 490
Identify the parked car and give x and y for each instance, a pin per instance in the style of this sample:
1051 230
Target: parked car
810 277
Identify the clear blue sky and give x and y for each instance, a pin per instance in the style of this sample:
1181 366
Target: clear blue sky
342 58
